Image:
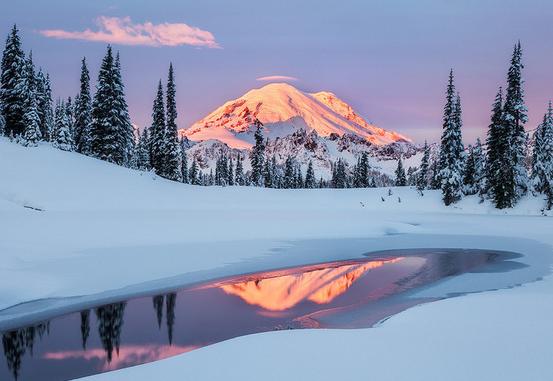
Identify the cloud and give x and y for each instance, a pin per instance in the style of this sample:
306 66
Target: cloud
277 78
117 30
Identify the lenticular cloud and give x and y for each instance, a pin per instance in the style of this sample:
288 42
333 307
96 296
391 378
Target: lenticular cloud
116 30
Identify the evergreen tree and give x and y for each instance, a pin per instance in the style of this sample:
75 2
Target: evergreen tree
514 118
157 130
537 170
469 179
193 173
479 168
31 119
275 173
126 137
422 178
310 181
267 174
289 179
434 174
108 114
230 172
184 165
257 155
83 113
497 164
401 180
543 158
299 178
62 137
2 124
171 150
339 175
44 105
70 117
12 94
239 172
142 150
361 172
451 149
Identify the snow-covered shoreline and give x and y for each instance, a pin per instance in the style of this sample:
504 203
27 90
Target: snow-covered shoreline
103 228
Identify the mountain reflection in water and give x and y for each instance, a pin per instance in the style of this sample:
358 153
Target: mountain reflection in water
346 294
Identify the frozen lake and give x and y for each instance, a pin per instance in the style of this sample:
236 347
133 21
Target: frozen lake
344 294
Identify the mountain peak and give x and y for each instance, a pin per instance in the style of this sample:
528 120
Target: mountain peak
283 109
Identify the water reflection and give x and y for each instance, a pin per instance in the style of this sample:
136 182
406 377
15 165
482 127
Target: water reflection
340 294
110 324
16 343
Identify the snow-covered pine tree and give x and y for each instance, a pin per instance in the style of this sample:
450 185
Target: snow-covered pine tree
267 174
171 152
497 159
537 175
193 173
44 105
230 172
126 138
12 96
469 178
339 175
434 182
479 168
542 166
184 164
310 181
546 156
48 109
361 172
289 179
31 119
514 118
275 172
451 148
422 177
62 137
83 112
157 131
2 124
239 177
106 129
400 180
69 108
257 155
412 176
299 177
142 160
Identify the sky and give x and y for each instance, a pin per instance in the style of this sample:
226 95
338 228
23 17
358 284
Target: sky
389 59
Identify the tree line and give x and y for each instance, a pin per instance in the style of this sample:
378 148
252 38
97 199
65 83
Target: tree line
510 165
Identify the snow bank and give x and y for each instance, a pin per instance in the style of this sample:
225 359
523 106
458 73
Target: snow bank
72 225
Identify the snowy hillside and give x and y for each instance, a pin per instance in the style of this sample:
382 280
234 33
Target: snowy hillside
77 226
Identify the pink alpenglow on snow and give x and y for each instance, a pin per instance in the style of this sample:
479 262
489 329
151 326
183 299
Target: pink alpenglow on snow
121 30
283 109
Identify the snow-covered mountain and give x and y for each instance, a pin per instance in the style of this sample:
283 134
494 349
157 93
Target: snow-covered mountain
284 109
308 126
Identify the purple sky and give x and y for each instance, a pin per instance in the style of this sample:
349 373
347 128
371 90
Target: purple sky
389 59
